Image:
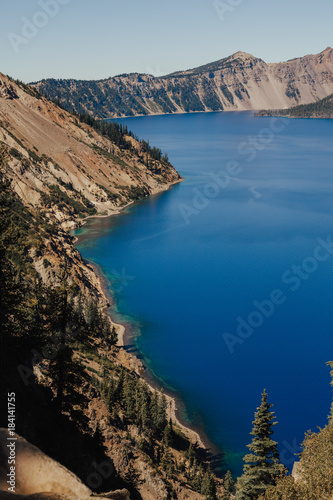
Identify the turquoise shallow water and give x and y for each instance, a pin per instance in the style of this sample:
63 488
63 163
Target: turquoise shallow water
244 240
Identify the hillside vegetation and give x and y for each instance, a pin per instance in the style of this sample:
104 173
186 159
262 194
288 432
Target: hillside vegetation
318 109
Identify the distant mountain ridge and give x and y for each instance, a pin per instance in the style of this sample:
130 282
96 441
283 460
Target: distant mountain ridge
236 83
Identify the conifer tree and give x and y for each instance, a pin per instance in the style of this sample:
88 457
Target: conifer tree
161 420
67 373
228 485
111 395
262 466
128 396
120 383
153 410
191 454
167 462
142 406
208 486
167 435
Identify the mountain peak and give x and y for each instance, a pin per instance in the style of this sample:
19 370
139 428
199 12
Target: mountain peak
242 55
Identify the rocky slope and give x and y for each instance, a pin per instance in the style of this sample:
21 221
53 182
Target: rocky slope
51 476
239 82
51 151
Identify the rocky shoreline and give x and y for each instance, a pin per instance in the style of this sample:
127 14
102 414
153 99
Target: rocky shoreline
130 360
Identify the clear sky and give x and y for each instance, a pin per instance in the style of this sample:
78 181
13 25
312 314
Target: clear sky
93 39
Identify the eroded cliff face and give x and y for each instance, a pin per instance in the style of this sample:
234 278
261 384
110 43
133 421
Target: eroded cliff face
237 83
68 171
52 149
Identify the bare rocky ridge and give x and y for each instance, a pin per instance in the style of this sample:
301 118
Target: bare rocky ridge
237 83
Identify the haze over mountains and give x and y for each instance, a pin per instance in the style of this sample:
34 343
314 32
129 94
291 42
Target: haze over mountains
236 83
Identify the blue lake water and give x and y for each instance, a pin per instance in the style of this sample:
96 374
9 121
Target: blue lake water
190 265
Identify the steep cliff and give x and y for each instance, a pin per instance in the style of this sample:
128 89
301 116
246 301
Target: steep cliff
56 158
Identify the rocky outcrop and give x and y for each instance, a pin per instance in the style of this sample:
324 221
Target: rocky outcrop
7 91
236 83
38 476
297 471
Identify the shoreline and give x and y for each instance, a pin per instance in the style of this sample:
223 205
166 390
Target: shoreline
184 113
112 212
175 403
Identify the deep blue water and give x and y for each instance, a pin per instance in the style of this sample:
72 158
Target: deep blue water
186 266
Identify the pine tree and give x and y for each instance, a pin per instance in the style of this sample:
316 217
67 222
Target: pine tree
111 395
153 410
208 486
167 462
67 373
113 338
128 396
190 454
167 435
120 384
142 406
161 420
262 466
228 485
